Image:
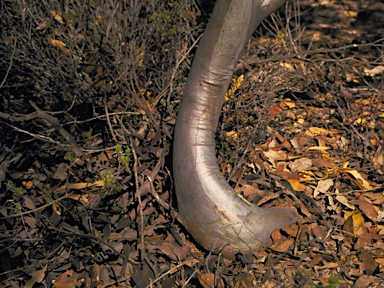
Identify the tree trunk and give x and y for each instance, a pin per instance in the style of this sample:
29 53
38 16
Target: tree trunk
210 209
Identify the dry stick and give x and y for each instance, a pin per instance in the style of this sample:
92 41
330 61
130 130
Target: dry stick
18 118
10 66
170 271
177 67
145 187
36 209
108 120
189 279
156 195
56 124
37 136
363 138
138 195
86 236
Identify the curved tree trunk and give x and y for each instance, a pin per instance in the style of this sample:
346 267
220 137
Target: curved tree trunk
210 209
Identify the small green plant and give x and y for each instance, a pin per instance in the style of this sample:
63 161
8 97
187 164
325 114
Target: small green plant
87 134
17 192
281 35
124 157
163 102
69 156
164 23
303 278
109 181
46 189
333 282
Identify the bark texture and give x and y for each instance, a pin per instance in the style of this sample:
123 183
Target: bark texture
210 209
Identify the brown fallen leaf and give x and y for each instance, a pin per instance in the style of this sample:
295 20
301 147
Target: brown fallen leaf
357 178
37 278
365 281
282 245
327 266
208 281
292 230
58 16
68 279
367 208
368 263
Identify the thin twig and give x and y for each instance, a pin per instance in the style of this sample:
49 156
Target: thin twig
10 66
56 124
138 195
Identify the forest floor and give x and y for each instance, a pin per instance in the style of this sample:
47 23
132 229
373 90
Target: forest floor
89 103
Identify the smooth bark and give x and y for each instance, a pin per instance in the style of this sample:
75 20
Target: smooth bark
211 211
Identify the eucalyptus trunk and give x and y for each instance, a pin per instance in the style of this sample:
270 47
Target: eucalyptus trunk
216 217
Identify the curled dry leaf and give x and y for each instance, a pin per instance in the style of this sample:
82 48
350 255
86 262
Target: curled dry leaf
367 208
358 179
59 44
282 245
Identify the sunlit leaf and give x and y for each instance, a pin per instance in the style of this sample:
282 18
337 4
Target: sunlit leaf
59 44
360 181
354 224
27 184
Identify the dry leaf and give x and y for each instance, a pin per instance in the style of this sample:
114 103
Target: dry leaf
37 278
273 156
68 279
207 280
360 181
235 86
27 184
296 185
80 186
292 230
59 44
366 207
318 148
354 224
282 245
231 134
319 231
365 281
28 202
322 187
287 66
374 71
301 164
327 266
82 198
369 265
287 104
315 131
343 200
58 16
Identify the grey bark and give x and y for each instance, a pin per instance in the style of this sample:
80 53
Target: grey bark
210 209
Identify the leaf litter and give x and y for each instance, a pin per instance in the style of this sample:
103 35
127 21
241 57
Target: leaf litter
103 215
